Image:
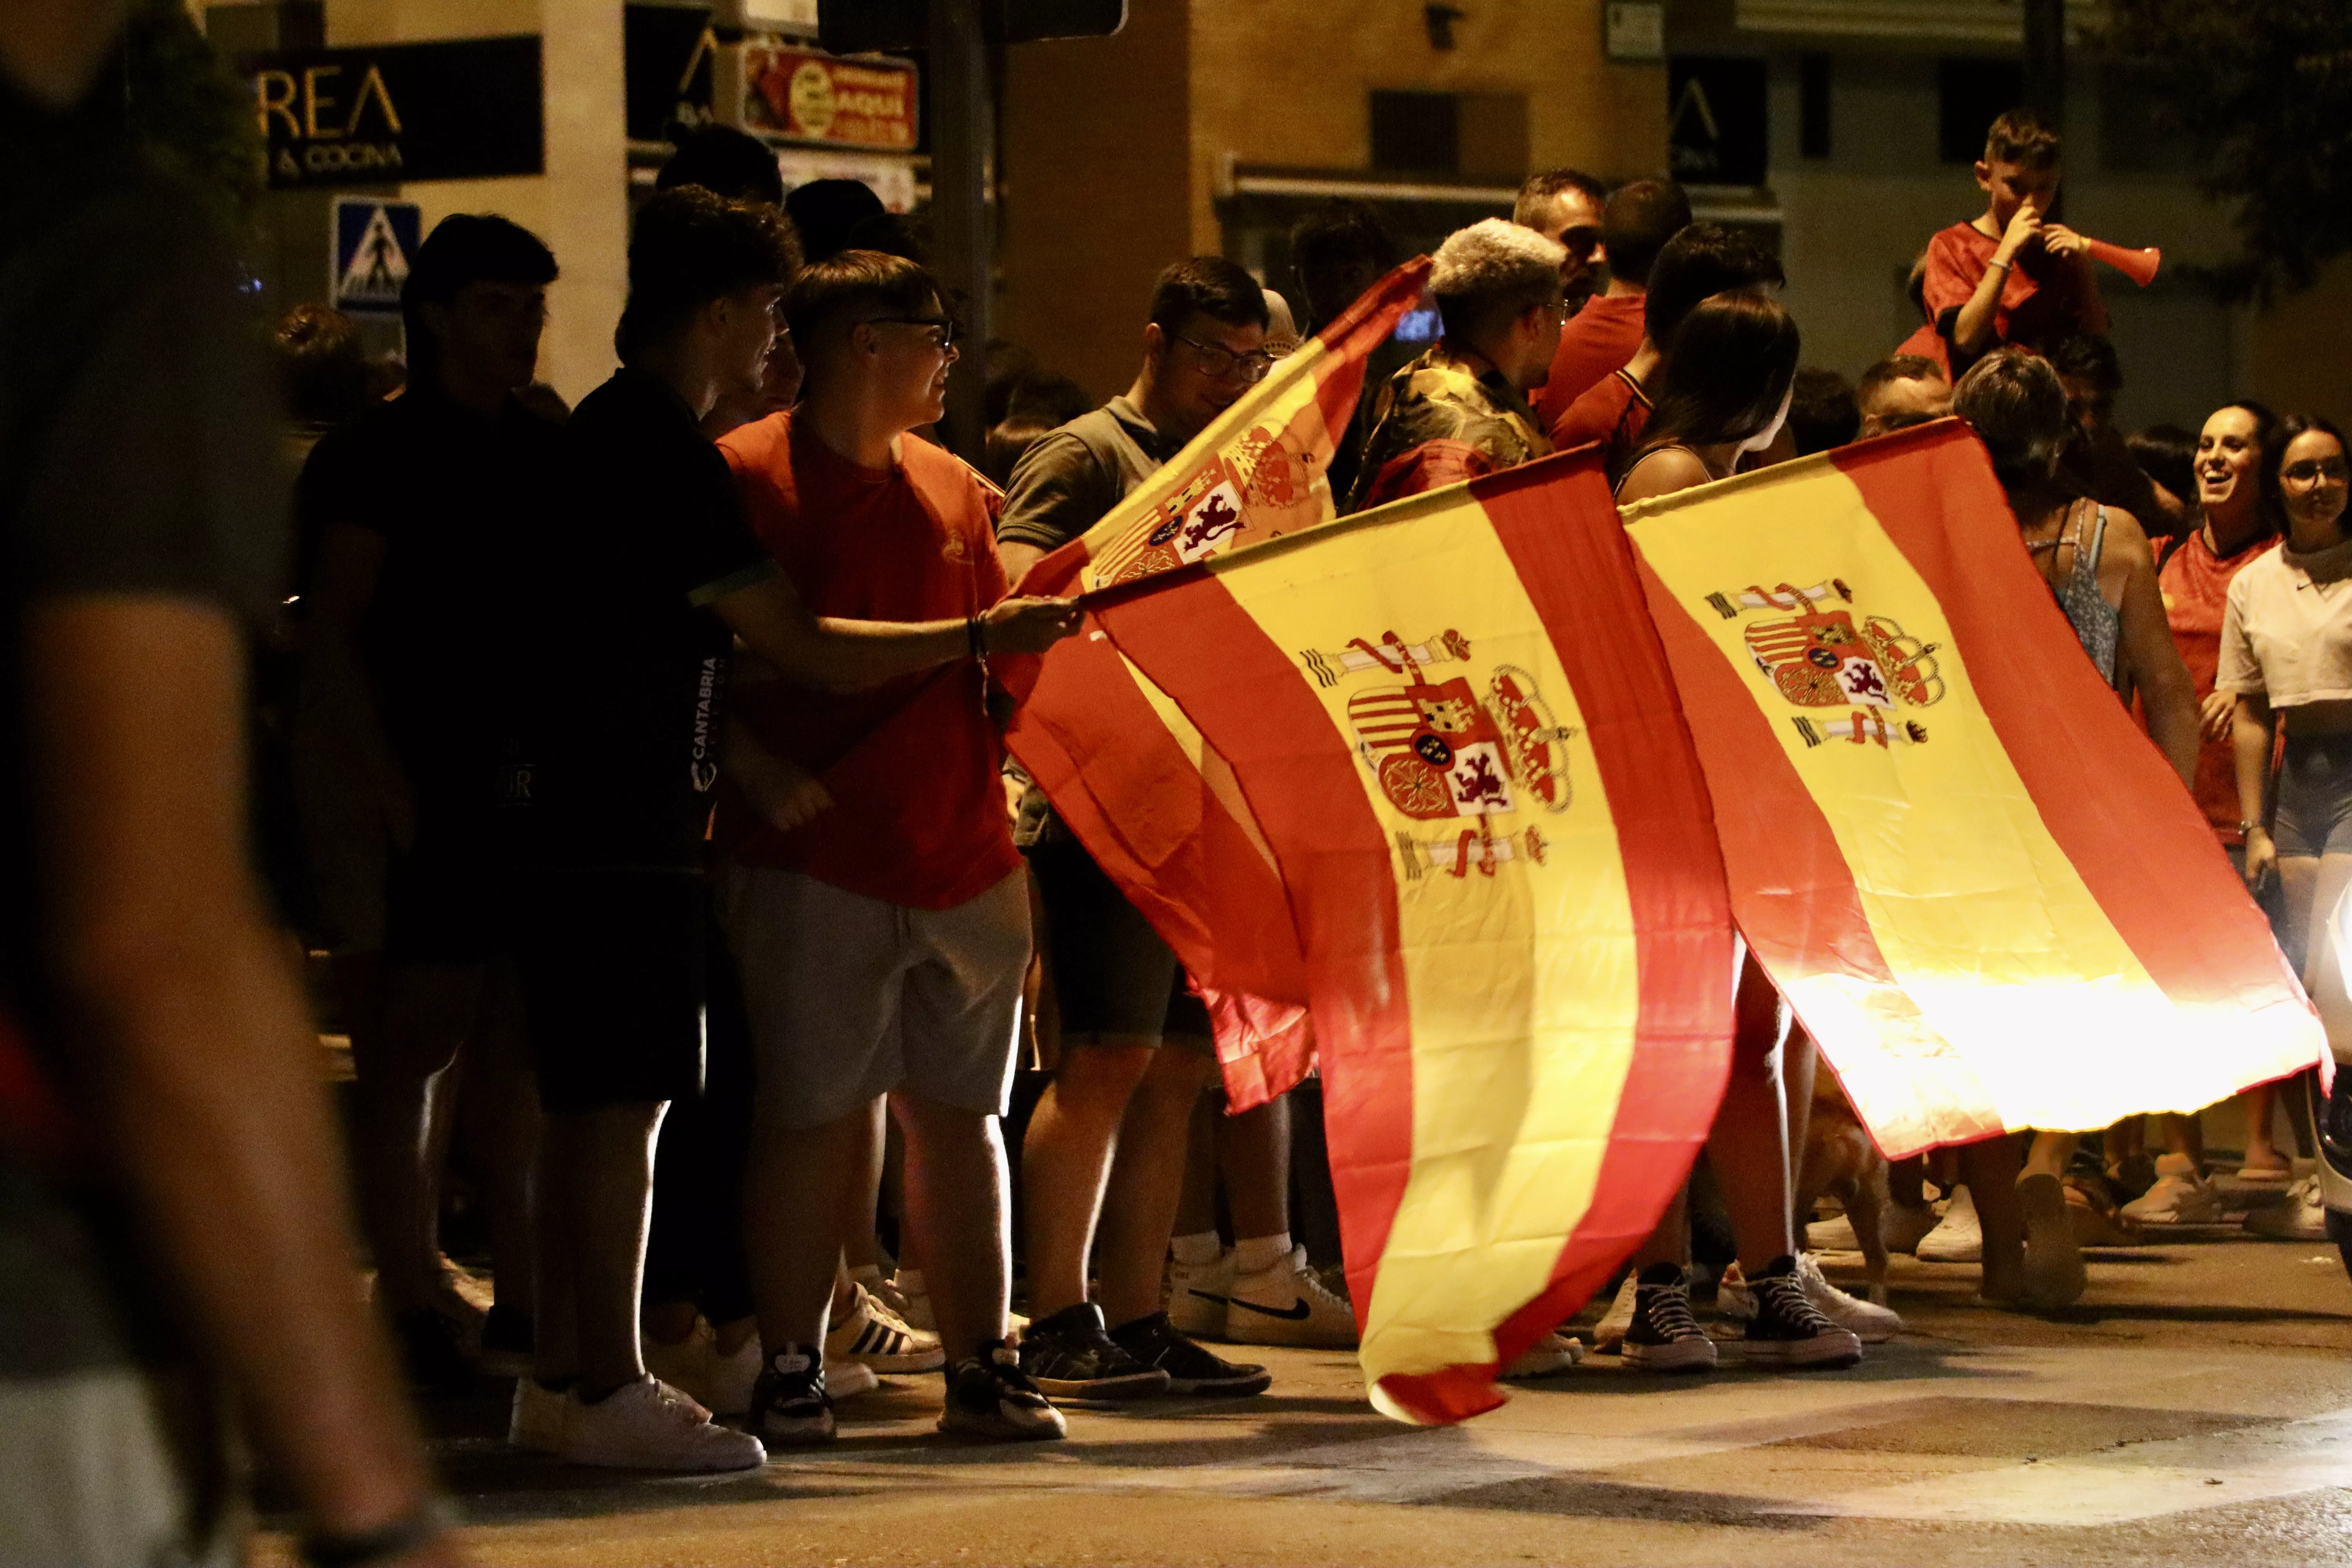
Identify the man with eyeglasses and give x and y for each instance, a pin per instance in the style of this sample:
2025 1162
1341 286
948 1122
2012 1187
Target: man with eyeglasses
1461 409
1106 1146
1568 207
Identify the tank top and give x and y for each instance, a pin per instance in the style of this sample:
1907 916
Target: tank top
2098 624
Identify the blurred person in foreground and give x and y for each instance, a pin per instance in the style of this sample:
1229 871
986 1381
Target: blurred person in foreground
169 1175
1461 409
1636 225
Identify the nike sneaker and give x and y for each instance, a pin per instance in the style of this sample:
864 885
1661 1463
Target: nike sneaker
1287 1304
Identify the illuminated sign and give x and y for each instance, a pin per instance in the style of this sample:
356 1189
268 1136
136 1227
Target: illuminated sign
810 96
466 109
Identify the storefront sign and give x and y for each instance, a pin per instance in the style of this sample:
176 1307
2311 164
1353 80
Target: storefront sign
461 110
810 96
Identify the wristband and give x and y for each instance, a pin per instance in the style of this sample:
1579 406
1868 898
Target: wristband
975 636
426 1522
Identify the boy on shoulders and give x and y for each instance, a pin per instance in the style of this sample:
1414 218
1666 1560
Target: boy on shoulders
2009 275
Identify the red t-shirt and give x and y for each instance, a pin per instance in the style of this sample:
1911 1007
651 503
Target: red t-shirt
917 816
1612 413
1929 344
1596 340
2196 586
2046 296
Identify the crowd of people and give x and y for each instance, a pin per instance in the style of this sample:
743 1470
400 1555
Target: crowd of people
636 766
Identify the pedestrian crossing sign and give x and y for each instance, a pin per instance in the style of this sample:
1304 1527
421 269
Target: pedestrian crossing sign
373 242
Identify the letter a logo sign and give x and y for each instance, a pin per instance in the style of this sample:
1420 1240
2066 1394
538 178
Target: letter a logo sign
373 240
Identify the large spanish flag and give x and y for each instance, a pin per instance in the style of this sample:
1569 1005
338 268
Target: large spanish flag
1984 891
1157 808
1453 727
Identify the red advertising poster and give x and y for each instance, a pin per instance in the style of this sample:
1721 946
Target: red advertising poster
811 96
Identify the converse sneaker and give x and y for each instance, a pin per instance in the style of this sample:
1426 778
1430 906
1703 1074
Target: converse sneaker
535 1422
2302 1217
1287 1304
990 1399
1154 1341
1664 1336
649 1426
1957 1236
1548 1357
1069 1356
1196 1296
1609 1333
872 1334
2180 1195
789 1403
1788 1330
1872 1324
2053 1262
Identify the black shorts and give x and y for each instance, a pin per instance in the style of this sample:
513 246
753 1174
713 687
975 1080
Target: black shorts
1112 974
612 985
2314 796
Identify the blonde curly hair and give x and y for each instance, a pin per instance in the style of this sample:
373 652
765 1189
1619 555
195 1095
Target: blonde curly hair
1486 274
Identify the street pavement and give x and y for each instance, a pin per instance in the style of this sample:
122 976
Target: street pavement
2195 1407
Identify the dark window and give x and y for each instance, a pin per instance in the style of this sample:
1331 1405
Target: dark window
1416 133
1971 94
1813 105
1716 120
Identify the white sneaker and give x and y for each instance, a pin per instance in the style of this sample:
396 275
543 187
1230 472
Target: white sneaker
2177 1198
1957 1236
688 1366
2302 1217
1287 1304
535 1424
873 1335
649 1426
1548 1357
1608 1334
730 1379
1197 1294
1901 1225
1871 1324
844 1378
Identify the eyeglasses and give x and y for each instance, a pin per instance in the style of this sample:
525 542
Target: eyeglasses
1224 364
2313 471
1562 310
942 330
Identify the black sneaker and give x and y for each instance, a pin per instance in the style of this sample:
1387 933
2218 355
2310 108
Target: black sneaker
1069 1356
1154 1342
789 1403
433 1351
990 1399
1663 1335
1789 1330
507 1341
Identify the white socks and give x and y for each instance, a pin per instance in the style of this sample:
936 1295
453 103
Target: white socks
1197 1251
1255 1254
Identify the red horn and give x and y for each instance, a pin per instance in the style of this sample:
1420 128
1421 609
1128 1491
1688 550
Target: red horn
2139 266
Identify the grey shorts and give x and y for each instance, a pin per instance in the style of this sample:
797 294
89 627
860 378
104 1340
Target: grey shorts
2314 796
851 997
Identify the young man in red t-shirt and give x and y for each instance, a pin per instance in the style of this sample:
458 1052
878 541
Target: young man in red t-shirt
2009 275
883 941
1636 225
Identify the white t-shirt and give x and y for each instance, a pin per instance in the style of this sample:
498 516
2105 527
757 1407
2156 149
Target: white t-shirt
2286 633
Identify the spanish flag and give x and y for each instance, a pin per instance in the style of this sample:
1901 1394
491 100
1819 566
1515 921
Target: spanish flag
1982 889
1158 809
1453 729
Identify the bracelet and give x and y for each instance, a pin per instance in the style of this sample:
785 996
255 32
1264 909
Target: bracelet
402 1536
2004 266
975 636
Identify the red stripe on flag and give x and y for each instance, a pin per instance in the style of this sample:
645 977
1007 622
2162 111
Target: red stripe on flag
1258 709
2106 795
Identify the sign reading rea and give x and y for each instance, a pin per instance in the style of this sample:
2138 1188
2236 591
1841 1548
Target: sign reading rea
810 96
466 109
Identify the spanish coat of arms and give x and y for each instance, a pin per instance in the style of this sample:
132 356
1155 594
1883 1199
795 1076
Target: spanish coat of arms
1822 655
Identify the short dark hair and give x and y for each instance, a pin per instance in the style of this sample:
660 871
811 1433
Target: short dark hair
2085 356
726 163
1641 216
825 211
2281 436
2168 455
856 284
1731 362
1896 367
2013 400
1538 189
2022 137
689 246
466 248
1822 412
1705 258
1209 285
322 367
1336 232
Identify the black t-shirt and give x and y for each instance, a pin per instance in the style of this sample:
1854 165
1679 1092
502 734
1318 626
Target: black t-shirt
452 495
629 667
137 456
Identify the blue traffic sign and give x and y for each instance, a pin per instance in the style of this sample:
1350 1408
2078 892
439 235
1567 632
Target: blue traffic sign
373 242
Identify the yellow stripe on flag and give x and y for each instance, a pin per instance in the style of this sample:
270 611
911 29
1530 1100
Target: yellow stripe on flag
1996 945
1522 971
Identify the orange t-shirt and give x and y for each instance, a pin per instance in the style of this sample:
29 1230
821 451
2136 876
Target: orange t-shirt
1596 340
917 816
2196 586
1612 413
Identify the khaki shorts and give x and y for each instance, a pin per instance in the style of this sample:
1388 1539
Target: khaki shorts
851 999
